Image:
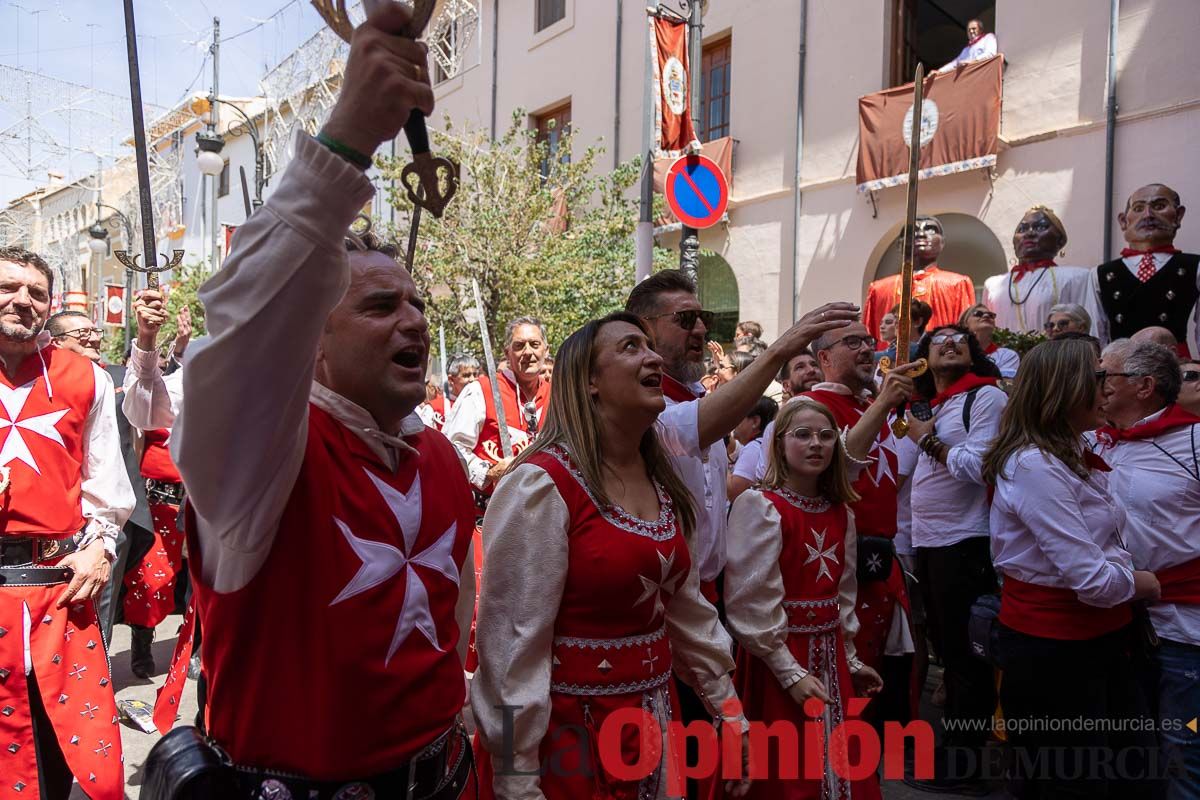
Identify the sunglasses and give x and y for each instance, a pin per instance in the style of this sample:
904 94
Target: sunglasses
981 314
687 319
805 434
1191 375
1061 325
946 338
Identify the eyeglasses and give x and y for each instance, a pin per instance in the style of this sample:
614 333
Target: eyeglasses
979 313
946 338
1108 374
687 319
82 335
1191 375
1061 325
806 434
856 342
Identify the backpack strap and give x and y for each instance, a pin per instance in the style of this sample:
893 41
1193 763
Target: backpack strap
967 403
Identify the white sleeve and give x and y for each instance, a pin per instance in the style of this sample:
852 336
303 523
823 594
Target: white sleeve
239 446
768 436
678 429
1008 361
748 460
105 493
462 429
1099 319
754 584
965 461
149 402
524 572
988 47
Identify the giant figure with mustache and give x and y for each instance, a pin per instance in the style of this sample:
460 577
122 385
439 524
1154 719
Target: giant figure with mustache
1152 283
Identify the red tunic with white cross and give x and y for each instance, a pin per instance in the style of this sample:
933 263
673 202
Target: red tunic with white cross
337 661
611 649
874 515
150 586
43 427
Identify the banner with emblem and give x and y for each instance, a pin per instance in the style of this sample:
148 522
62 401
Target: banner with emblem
960 126
673 131
114 304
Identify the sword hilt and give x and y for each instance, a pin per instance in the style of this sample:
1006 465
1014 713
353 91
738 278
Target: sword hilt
130 262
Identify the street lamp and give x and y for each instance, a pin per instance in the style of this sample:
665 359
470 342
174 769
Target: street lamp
98 239
247 126
209 159
98 244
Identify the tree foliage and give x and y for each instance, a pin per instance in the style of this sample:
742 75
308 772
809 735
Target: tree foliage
182 290
543 236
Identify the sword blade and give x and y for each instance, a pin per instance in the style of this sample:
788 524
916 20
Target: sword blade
910 219
139 142
501 421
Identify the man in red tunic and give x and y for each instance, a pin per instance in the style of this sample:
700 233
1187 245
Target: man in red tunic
949 293
64 495
473 425
884 641
327 525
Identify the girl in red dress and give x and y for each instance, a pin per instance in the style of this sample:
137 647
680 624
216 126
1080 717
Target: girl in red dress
789 597
589 598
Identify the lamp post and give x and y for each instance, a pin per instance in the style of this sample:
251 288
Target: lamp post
247 126
98 244
209 145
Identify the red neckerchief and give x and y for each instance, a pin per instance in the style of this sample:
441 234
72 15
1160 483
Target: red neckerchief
1093 461
1173 417
1129 252
976 40
991 348
964 384
677 391
1023 269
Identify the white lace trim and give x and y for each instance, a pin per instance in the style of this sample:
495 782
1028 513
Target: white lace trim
660 531
594 690
813 505
610 644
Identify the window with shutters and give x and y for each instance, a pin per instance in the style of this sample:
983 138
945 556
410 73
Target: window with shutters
715 72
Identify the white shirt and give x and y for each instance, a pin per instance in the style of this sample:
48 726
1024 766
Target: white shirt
1161 501
907 453
152 400
985 47
239 440
749 458
464 422
1024 305
1007 361
1052 528
704 475
949 501
1102 330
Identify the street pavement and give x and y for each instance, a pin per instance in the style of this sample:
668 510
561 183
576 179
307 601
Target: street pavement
137 744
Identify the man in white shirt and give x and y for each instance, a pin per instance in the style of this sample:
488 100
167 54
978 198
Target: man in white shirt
980 45
1153 448
950 536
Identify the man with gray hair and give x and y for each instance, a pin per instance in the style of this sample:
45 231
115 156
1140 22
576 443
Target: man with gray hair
472 425
1067 318
460 371
1157 335
1153 446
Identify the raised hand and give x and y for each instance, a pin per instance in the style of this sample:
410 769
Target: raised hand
150 313
805 331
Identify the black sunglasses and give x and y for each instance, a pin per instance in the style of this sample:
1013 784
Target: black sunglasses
687 319
1191 375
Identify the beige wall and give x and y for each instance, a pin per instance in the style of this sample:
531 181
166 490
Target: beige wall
1052 127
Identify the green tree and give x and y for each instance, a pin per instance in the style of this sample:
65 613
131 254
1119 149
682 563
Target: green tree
182 290
542 235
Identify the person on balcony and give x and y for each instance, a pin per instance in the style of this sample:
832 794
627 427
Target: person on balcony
980 46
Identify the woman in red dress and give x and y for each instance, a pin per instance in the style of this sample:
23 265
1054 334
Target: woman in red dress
789 597
589 597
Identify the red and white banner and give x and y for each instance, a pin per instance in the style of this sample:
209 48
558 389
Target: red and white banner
114 304
670 74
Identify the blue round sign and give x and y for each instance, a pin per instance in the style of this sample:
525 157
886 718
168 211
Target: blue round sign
696 190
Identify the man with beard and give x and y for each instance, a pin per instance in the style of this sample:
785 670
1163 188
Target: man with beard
1152 283
66 494
950 536
801 374
327 526
884 641
948 293
668 303
1152 449
473 425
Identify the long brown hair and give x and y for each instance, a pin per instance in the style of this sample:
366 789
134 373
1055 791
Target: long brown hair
1056 378
573 422
834 482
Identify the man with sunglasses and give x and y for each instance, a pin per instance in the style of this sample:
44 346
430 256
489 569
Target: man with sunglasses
75 331
1153 447
1189 391
1152 283
951 539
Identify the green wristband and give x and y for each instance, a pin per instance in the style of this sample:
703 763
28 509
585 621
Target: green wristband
347 152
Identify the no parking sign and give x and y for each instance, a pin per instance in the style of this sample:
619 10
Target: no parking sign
697 191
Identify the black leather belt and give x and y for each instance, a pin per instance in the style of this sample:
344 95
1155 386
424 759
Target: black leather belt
170 492
21 551
441 772
34 576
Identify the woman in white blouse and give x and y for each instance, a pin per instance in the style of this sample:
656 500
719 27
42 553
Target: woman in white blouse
589 597
1066 636
981 321
790 591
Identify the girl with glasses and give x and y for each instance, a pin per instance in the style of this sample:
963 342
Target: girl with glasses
790 592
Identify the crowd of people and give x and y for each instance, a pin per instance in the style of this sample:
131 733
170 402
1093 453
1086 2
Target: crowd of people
500 568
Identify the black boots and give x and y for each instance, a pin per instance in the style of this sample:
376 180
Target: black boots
141 660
